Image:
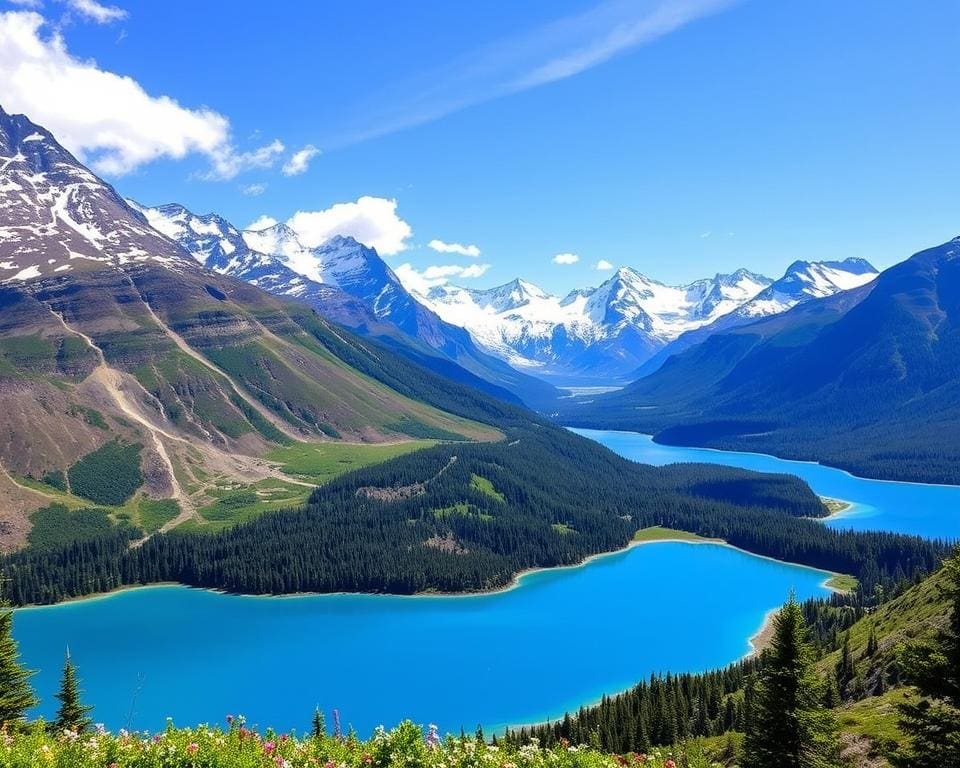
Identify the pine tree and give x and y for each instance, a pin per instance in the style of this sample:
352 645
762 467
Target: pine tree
933 723
318 727
72 714
845 668
16 696
788 726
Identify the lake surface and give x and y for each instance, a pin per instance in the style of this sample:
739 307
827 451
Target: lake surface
560 639
932 511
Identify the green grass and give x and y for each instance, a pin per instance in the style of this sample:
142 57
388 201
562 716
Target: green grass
321 462
484 486
876 718
238 504
841 582
153 514
462 509
414 428
658 533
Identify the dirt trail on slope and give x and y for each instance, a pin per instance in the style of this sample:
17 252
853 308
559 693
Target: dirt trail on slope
112 381
188 350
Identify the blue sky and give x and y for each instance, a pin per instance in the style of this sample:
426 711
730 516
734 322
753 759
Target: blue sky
681 137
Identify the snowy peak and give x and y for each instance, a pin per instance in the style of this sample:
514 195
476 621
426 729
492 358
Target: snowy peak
56 216
210 239
806 280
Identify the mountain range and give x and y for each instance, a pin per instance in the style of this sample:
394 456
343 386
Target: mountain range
125 364
622 329
866 379
350 284
514 338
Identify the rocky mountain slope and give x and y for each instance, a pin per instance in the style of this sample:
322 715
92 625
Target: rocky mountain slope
113 335
350 284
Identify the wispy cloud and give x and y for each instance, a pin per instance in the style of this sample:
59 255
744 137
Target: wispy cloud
98 12
553 51
464 250
299 161
421 281
253 190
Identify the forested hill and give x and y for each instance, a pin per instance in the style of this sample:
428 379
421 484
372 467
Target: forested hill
865 380
462 517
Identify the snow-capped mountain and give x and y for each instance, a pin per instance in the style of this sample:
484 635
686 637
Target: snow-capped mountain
347 282
595 333
803 281
57 217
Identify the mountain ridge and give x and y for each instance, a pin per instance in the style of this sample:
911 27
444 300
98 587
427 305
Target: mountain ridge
607 334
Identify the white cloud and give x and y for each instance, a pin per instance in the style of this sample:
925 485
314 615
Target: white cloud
27 3
422 281
464 250
372 221
299 161
565 258
101 14
226 162
108 120
262 222
253 190
705 235
603 265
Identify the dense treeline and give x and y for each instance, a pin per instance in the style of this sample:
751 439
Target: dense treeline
109 475
420 523
661 711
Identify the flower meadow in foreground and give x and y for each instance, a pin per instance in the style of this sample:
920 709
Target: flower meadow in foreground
236 746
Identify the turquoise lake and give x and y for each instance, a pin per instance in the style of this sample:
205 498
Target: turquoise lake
932 511
560 639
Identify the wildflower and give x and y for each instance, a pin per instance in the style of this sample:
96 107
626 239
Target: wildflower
269 747
101 729
669 764
433 738
193 748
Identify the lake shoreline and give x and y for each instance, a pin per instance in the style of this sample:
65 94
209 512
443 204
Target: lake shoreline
514 583
764 455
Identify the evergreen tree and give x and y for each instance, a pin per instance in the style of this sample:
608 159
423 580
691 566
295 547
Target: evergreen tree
16 696
788 726
318 726
845 668
72 714
933 723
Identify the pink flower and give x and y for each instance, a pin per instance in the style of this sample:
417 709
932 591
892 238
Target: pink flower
193 748
669 764
269 747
